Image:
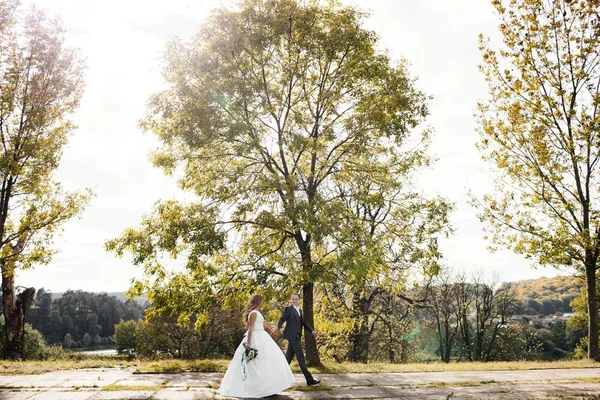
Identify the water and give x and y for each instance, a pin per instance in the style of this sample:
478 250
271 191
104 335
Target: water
103 352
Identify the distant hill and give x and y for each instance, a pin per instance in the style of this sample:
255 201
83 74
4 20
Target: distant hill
547 296
142 300
121 296
544 296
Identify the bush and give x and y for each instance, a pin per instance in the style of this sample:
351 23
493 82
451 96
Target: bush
36 347
163 337
581 349
87 339
67 341
125 338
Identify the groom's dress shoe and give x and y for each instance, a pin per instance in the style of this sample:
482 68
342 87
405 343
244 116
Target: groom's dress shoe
313 382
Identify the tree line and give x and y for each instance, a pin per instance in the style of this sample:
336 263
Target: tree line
454 317
80 319
547 296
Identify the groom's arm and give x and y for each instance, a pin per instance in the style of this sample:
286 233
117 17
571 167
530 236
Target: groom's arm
307 326
283 318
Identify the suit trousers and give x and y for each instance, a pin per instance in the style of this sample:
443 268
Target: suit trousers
295 348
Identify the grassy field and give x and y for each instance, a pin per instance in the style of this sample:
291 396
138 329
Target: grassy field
39 367
177 366
334 367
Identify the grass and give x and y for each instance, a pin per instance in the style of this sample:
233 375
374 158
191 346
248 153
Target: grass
588 380
40 367
309 388
177 366
459 384
333 367
140 388
220 365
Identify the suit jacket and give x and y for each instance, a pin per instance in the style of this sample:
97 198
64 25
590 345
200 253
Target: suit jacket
293 324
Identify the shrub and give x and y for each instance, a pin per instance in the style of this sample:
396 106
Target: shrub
67 341
125 338
36 347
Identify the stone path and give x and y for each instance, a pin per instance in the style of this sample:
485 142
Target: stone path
116 384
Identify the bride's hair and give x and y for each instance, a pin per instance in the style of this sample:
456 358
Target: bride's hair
253 302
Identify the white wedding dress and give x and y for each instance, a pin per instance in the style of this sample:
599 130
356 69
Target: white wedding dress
266 375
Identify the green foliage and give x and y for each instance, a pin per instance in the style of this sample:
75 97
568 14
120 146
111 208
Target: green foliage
87 340
547 296
174 228
518 342
539 132
581 349
470 318
125 337
297 134
577 326
165 338
36 347
78 313
539 128
39 71
41 81
67 341
554 340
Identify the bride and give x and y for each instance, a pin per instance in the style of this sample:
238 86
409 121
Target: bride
265 375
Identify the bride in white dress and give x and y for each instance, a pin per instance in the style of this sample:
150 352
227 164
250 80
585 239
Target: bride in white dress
269 373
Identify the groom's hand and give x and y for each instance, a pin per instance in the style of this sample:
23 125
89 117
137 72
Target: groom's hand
276 331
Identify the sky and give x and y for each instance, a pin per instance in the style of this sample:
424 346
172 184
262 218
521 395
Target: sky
123 42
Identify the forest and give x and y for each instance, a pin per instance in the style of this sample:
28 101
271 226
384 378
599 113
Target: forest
451 319
78 319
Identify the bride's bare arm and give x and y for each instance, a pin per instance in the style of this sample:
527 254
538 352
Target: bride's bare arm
251 319
268 326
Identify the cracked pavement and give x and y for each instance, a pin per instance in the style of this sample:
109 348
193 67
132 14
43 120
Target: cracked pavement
116 384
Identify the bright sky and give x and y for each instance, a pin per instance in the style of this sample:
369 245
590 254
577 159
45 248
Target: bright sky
123 41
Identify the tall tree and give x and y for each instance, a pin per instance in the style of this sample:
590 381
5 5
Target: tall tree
540 128
389 233
264 108
442 305
40 84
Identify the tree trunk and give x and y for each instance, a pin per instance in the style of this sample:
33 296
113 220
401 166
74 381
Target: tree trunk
360 336
448 343
14 308
391 342
404 351
592 303
312 354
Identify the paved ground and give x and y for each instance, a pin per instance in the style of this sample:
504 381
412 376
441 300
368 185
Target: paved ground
114 384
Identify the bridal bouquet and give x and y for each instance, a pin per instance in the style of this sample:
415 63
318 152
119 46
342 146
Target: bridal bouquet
250 353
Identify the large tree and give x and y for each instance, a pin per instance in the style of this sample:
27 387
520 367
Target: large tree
540 128
40 84
264 110
389 234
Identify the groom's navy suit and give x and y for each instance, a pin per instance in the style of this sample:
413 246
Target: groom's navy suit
294 322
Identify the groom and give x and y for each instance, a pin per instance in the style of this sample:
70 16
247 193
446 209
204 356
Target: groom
294 321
